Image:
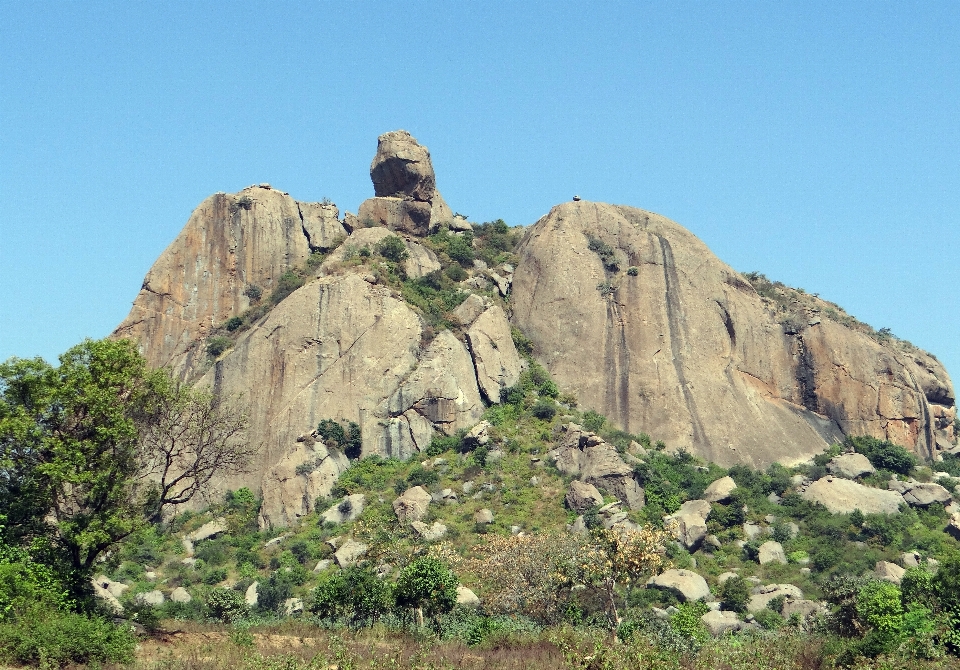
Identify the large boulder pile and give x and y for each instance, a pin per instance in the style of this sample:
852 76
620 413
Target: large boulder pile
584 454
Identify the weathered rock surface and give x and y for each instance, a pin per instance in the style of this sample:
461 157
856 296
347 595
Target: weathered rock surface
287 495
762 595
688 351
429 533
230 243
842 496
888 571
251 596
771 552
687 585
719 623
494 354
688 525
466 597
598 463
412 504
180 595
582 496
924 495
405 186
850 466
349 553
346 510
720 490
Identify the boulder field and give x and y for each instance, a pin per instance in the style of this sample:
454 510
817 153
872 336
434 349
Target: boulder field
627 310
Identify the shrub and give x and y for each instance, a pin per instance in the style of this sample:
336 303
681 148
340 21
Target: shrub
523 343
51 638
544 409
214 576
883 454
226 605
878 604
686 621
456 273
355 592
460 249
393 249
253 292
420 476
288 282
217 345
349 439
593 421
233 323
769 619
735 594
633 271
605 252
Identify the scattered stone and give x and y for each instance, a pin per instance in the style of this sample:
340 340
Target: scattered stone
720 490
349 553
516 530
153 598
466 597
850 466
449 497
412 505
842 496
774 498
724 576
189 560
534 481
805 571
100 590
429 533
582 496
208 530
762 595
688 528
804 608
346 510
468 487
910 559
890 572
797 480
752 530
180 595
483 516
713 541
719 623
579 526
250 596
688 585
292 606
322 565
771 552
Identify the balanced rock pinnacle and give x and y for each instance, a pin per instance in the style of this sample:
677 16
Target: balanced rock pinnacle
406 188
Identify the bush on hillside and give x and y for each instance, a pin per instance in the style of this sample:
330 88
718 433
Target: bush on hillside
883 454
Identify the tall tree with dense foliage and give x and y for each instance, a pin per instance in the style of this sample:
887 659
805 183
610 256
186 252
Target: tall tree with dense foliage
86 456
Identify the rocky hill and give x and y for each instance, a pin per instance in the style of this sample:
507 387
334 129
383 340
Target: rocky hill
305 316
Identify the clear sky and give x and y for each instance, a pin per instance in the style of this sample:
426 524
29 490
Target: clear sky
816 142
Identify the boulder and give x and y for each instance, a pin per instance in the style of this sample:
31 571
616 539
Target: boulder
412 505
910 559
180 595
429 533
752 530
582 496
851 465
292 606
762 595
890 572
483 516
346 510
251 596
322 565
494 355
771 552
842 496
101 591
925 495
208 530
153 598
804 608
719 623
466 597
699 507
688 528
687 585
349 553
720 490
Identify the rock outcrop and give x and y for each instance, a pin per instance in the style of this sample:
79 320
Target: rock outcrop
405 186
231 243
596 462
842 496
683 347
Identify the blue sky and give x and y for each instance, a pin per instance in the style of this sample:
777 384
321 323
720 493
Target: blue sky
816 142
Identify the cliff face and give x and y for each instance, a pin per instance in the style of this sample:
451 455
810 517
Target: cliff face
230 243
682 347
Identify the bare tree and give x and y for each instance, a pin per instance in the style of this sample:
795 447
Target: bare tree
187 438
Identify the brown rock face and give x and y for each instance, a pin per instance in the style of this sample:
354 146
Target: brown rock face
683 348
230 243
407 198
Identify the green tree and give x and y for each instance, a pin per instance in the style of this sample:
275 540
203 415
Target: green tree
86 457
355 592
735 594
426 586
